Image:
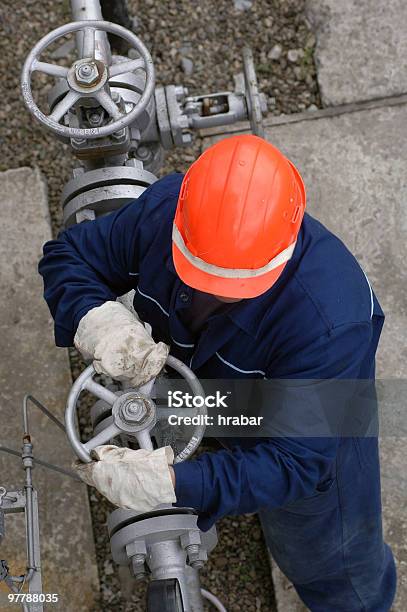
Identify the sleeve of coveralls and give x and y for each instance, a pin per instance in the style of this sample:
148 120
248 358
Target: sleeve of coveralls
89 264
279 470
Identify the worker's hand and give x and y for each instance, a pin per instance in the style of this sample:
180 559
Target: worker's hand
135 479
119 344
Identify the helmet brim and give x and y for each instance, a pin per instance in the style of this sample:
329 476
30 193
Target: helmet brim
225 287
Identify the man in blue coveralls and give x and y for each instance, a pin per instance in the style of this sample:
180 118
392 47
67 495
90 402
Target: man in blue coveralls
239 283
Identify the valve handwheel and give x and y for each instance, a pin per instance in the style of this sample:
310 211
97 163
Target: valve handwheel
133 413
256 102
88 78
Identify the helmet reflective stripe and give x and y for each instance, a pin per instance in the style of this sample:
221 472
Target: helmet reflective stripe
199 263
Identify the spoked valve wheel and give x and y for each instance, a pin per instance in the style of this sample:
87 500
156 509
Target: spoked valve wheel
133 413
88 78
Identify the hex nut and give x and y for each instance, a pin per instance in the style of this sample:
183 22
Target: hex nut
86 74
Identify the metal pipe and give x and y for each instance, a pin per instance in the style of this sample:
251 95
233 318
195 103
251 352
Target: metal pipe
214 600
90 10
167 559
43 409
45 464
86 10
193 585
33 575
55 420
27 453
27 457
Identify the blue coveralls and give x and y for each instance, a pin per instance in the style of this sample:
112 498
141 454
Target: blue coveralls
318 498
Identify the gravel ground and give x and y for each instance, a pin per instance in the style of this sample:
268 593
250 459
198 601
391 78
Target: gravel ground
198 44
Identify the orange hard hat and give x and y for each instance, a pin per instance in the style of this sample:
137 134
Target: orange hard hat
238 215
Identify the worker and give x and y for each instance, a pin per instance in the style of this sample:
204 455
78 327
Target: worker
237 281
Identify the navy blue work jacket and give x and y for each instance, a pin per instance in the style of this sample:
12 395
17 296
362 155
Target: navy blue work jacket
320 320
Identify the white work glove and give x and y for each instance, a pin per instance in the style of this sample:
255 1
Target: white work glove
135 479
119 344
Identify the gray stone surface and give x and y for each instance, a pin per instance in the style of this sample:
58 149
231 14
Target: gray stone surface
354 170
361 48
30 363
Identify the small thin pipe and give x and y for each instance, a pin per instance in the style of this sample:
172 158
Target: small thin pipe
214 600
43 409
42 463
30 524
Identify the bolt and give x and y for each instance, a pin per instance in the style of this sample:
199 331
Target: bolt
179 93
85 70
137 563
192 551
86 74
186 139
183 121
198 564
134 411
134 163
94 119
119 135
143 152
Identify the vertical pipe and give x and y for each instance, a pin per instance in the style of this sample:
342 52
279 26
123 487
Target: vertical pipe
27 462
194 589
36 580
86 9
167 559
90 10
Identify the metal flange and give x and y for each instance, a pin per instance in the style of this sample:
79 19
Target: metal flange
164 526
103 190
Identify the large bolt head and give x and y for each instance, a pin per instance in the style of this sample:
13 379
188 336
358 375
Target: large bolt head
87 74
94 119
134 411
